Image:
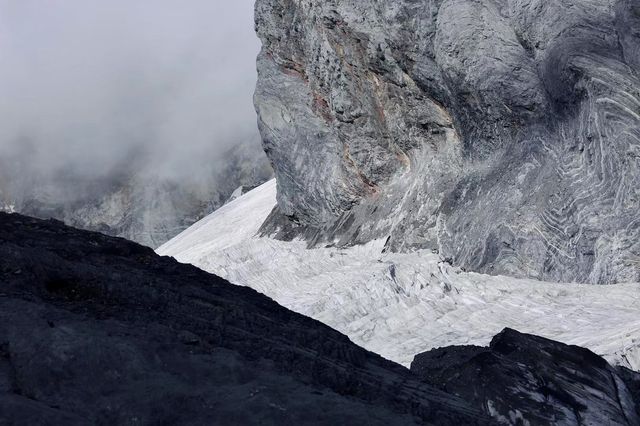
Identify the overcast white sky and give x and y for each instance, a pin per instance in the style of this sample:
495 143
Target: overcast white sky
83 83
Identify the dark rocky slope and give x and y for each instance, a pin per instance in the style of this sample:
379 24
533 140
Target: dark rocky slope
524 379
504 134
99 330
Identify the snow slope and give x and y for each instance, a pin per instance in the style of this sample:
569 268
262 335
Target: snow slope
401 304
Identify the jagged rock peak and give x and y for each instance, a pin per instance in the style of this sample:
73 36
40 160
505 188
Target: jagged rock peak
505 134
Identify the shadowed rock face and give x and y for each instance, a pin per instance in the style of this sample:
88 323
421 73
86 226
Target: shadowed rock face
524 379
99 330
505 134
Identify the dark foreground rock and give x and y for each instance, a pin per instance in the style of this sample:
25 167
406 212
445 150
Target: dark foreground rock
524 379
99 330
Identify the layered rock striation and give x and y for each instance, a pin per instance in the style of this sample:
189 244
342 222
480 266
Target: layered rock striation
503 134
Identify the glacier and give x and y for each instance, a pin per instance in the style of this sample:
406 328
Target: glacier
402 304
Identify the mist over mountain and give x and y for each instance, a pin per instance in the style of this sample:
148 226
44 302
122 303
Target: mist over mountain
102 100
131 201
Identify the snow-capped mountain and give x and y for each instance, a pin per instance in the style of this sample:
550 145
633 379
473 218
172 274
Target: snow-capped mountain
133 202
401 304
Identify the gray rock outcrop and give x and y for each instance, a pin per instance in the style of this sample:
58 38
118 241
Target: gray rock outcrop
504 134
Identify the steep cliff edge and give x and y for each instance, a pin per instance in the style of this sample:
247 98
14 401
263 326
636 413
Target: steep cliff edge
503 134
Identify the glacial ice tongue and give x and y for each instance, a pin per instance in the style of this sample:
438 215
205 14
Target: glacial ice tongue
402 304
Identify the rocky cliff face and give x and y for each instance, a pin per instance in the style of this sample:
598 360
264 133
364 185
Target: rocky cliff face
504 134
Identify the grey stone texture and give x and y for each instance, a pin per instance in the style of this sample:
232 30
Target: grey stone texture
504 134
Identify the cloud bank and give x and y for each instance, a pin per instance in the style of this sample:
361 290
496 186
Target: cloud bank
88 85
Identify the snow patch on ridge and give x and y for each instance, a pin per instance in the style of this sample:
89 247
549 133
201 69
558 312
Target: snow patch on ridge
230 225
401 304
